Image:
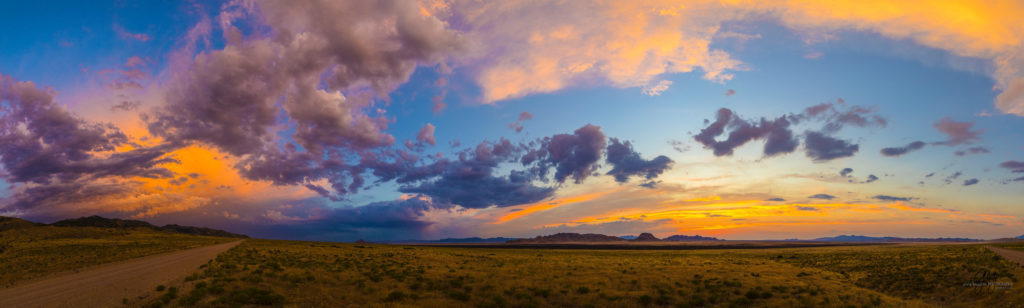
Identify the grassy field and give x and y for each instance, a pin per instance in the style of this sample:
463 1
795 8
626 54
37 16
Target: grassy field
305 274
30 251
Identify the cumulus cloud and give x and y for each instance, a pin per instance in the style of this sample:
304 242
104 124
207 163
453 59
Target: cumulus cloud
426 135
730 92
958 132
822 196
574 155
970 182
820 147
845 172
871 178
779 138
626 162
897 151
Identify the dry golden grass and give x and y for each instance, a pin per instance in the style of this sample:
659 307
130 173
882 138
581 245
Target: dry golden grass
308 274
39 251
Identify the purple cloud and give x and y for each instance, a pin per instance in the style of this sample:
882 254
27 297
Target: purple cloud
626 162
820 147
897 151
958 132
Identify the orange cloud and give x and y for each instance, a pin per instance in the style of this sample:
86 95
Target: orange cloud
547 205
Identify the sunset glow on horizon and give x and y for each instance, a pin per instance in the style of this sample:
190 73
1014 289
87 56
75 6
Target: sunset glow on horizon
395 120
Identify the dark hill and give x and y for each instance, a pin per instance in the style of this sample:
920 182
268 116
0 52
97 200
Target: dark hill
101 222
689 238
568 238
645 237
11 223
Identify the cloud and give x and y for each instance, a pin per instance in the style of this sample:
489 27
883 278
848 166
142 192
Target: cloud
958 132
891 198
426 135
544 47
573 155
626 162
656 89
775 199
518 124
897 151
973 150
820 147
970 182
125 34
1013 165
730 92
845 172
822 196
871 178
806 208
954 176
779 138
45 143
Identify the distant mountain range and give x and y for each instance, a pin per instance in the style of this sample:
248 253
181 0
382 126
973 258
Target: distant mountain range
890 239
467 240
601 238
7 223
1020 237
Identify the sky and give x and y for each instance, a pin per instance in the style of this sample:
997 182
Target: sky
392 120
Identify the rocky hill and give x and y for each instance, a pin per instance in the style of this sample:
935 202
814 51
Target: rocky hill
568 238
645 237
689 238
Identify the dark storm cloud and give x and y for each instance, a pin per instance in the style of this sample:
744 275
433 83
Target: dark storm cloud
897 151
845 172
970 182
56 158
574 155
958 132
779 138
1013 165
820 147
973 150
891 198
822 196
626 162
401 214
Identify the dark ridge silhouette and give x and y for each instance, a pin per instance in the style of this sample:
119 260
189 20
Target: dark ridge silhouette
689 238
568 238
201 231
645 237
101 222
890 239
11 223
466 240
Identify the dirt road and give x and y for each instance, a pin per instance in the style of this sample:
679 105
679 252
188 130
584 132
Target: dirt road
107 285
1012 255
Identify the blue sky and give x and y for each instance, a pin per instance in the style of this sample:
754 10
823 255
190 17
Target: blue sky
364 83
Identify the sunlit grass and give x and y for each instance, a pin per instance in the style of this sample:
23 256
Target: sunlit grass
305 274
